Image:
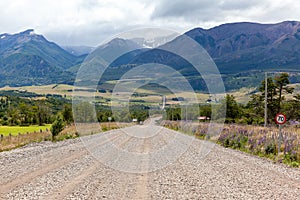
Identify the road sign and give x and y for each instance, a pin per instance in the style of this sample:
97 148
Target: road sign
280 119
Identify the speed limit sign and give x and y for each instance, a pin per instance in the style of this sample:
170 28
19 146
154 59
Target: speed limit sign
280 118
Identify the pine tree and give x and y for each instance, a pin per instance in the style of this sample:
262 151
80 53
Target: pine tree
57 126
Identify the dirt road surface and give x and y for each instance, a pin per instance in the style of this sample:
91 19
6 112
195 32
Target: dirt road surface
122 164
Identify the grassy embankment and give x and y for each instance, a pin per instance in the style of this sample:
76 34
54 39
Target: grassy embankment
255 140
21 136
15 130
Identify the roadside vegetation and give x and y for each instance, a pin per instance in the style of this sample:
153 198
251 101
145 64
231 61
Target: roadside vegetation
255 140
244 129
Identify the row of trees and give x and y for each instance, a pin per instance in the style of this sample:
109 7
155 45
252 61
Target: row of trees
87 112
277 88
16 111
24 112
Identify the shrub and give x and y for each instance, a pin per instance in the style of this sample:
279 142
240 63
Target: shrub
270 149
295 164
57 126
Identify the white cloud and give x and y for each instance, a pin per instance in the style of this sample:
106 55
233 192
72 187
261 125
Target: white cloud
89 22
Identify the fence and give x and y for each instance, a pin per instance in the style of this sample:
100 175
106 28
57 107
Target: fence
11 141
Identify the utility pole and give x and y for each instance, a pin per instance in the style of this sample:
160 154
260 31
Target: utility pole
185 112
266 99
171 112
163 102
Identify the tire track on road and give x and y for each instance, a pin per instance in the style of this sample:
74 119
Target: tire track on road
32 175
50 154
6 187
72 184
142 183
69 186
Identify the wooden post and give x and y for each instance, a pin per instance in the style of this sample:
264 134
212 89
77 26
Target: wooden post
266 99
9 137
19 137
279 139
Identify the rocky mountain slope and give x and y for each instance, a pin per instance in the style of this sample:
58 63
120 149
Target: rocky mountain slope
239 50
28 58
244 46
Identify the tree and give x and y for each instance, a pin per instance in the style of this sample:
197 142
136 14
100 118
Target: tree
24 113
174 113
253 112
57 126
233 110
296 106
67 114
43 113
205 110
277 87
84 112
14 116
281 82
291 108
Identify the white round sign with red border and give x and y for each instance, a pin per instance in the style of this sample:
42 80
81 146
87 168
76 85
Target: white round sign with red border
280 118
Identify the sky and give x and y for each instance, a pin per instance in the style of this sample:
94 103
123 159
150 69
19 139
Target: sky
90 22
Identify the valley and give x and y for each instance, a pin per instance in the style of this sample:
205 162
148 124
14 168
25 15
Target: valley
178 116
242 95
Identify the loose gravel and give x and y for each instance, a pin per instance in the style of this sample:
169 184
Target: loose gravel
82 169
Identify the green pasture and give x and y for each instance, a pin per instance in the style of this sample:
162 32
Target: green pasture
15 130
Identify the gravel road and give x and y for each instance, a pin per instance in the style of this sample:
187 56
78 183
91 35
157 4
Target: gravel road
141 162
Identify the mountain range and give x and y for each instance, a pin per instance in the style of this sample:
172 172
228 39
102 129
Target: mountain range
244 46
240 50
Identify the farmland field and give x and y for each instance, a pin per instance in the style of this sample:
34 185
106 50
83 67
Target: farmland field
15 130
242 95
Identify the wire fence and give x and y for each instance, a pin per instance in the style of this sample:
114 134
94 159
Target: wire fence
13 141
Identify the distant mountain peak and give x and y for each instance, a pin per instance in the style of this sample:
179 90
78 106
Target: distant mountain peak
79 50
28 58
28 32
119 43
122 42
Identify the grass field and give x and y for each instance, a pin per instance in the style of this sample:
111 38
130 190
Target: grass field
15 130
242 95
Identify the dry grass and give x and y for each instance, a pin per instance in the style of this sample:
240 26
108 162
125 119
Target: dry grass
11 142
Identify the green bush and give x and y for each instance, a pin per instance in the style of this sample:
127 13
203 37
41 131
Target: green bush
270 149
57 126
294 164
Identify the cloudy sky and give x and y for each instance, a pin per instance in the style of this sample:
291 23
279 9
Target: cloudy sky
89 22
